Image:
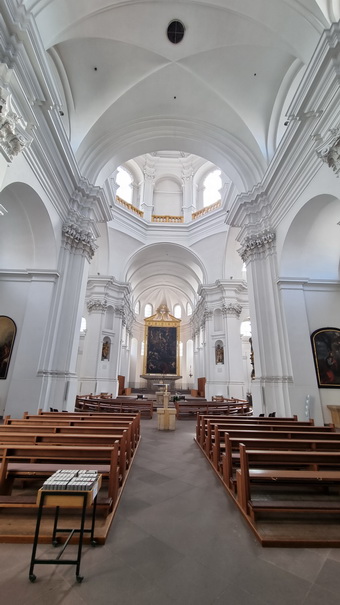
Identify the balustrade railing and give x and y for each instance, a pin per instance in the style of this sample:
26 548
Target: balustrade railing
165 218
129 206
206 210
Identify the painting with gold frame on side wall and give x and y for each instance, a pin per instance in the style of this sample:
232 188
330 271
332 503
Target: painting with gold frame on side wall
326 351
162 336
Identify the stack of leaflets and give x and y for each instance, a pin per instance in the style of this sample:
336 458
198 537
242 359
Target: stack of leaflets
74 480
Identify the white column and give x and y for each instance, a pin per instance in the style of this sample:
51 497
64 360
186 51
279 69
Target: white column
59 356
187 186
272 373
149 182
233 350
93 345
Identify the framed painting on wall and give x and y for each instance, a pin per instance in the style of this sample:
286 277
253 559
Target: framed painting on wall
326 351
8 331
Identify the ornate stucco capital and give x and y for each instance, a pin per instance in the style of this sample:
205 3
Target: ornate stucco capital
232 310
12 141
97 305
255 244
78 240
330 151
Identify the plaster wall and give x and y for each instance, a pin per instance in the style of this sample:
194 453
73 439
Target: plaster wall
26 300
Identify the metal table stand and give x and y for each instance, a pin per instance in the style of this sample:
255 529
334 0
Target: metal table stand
70 499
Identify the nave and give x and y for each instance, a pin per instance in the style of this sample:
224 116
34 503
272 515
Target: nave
177 539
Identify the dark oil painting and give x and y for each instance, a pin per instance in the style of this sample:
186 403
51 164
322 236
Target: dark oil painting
7 335
162 350
326 350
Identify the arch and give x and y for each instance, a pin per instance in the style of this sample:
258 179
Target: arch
178 311
27 238
311 248
236 160
148 310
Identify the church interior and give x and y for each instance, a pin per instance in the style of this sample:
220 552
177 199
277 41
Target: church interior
170 215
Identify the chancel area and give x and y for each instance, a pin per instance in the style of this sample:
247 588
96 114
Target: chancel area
169 221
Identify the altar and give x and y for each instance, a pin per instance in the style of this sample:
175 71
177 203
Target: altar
157 382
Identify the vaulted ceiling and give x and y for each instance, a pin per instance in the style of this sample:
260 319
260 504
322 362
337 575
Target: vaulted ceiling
221 93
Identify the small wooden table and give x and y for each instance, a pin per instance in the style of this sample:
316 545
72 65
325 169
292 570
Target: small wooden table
69 499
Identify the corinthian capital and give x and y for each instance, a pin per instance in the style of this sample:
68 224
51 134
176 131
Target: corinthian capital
330 152
11 142
96 304
255 244
232 309
78 241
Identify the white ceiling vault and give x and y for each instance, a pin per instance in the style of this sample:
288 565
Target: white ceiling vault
220 93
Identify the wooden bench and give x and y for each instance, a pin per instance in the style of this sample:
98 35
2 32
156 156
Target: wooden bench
230 460
212 427
69 422
312 469
185 409
216 440
202 421
78 440
40 461
144 406
132 419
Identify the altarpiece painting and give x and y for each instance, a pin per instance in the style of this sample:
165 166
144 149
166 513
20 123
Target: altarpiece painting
162 343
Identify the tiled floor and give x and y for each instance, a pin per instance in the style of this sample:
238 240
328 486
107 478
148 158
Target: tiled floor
177 539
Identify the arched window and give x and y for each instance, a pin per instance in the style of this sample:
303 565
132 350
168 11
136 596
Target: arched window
212 185
148 311
189 309
245 328
142 348
137 307
124 181
178 311
83 325
180 348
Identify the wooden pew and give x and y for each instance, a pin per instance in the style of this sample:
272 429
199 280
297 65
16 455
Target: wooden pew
40 461
202 421
78 440
69 422
229 462
131 419
291 469
190 409
144 406
212 427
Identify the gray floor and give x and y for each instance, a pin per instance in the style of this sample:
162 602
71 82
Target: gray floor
176 539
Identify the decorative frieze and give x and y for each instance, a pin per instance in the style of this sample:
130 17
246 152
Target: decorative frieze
330 153
97 305
255 244
78 241
232 309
